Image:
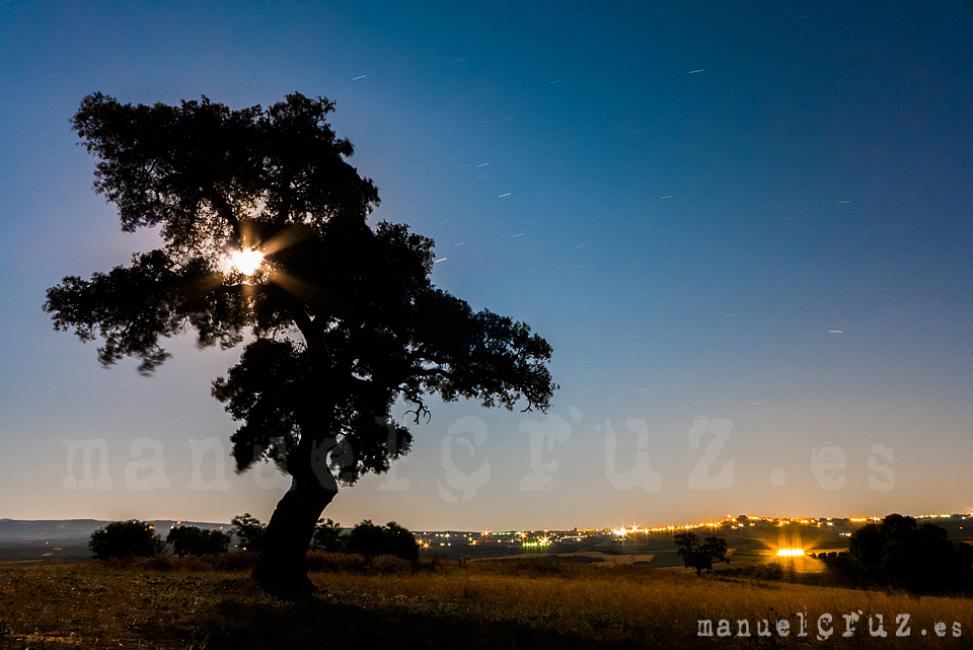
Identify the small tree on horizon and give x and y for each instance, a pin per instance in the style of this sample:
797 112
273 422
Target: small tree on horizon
327 536
192 540
249 531
369 540
401 542
700 556
264 235
130 538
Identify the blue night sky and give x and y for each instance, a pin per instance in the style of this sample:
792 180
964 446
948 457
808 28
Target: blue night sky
759 215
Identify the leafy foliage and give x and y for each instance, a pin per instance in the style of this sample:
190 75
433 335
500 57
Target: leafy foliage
345 318
700 556
192 540
125 539
249 531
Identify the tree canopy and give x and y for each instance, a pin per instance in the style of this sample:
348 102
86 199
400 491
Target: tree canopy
193 540
264 234
125 539
345 317
327 536
700 556
249 531
370 540
898 552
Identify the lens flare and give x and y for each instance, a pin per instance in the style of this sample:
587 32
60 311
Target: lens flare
246 261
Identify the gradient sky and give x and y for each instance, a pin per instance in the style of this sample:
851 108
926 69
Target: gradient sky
762 214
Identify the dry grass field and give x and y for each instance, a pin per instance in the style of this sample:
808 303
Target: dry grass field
171 603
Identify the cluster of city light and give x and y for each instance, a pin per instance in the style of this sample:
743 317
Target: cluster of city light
532 539
743 521
540 542
939 516
739 522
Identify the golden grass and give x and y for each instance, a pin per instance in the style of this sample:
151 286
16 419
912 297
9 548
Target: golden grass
190 603
641 605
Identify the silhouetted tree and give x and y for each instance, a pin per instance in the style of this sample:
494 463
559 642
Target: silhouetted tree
192 540
344 317
898 552
700 556
125 539
249 531
327 536
367 539
370 540
401 542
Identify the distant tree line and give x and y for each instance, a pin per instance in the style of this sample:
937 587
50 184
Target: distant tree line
138 538
901 554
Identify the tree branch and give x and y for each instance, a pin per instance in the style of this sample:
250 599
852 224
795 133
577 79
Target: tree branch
225 210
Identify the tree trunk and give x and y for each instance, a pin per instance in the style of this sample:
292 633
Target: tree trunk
282 567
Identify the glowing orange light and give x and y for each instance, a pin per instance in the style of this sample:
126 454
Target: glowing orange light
246 260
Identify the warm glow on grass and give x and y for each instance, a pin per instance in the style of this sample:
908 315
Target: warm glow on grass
790 552
577 599
246 260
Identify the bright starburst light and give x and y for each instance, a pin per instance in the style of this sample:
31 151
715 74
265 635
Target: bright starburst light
246 260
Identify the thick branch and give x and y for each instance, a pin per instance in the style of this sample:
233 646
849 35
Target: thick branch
225 210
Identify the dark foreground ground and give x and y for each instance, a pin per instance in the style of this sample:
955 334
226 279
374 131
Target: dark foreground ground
169 603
